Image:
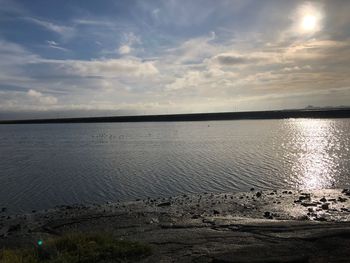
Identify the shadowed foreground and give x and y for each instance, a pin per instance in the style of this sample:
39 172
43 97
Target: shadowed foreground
260 226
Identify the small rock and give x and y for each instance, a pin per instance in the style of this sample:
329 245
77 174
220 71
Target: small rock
3 209
252 189
258 194
346 192
267 214
216 212
325 206
321 218
323 200
308 204
342 199
164 204
304 197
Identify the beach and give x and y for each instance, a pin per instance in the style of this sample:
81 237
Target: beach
255 226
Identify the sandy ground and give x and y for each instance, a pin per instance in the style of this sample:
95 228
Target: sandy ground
257 226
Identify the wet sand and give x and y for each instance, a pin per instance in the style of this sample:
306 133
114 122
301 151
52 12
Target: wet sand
256 226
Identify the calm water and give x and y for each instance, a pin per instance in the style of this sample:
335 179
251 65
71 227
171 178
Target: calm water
46 165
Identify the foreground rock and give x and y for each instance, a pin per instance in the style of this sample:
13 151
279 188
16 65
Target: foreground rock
259 226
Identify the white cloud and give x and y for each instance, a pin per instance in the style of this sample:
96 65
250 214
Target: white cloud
39 97
65 31
124 49
194 50
55 45
111 67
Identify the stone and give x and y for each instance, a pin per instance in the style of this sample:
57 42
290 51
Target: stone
323 200
267 214
306 204
304 197
346 192
342 199
325 206
164 204
258 194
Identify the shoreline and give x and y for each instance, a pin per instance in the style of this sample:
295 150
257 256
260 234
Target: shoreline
218 116
206 227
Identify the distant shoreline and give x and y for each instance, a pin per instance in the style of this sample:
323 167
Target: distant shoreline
248 115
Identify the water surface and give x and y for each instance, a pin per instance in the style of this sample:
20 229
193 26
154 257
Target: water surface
51 164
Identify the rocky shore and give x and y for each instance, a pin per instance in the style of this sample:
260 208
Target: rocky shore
255 226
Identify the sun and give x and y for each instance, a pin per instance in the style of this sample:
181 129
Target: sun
308 19
309 23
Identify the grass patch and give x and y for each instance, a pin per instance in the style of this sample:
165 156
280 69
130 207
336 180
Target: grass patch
78 248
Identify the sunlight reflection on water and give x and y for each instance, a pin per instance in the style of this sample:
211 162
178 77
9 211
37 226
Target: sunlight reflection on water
313 144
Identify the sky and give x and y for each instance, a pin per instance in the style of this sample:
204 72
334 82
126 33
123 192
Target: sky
93 58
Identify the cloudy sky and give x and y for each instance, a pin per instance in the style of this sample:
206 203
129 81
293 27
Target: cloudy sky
86 57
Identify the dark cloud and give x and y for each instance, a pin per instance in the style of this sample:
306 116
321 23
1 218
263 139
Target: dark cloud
231 60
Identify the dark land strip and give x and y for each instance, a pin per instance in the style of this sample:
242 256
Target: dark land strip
251 115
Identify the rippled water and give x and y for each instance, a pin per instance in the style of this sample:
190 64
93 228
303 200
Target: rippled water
46 165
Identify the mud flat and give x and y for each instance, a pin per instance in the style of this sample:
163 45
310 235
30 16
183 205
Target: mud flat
255 226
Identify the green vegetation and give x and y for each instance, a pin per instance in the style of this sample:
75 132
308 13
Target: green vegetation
78 248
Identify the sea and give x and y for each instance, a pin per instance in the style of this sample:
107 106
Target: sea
46 165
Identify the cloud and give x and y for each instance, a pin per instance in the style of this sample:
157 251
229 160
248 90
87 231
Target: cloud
64 31
194 50
55 45
111 67
233 60
129 40
39 97
124 49
158 57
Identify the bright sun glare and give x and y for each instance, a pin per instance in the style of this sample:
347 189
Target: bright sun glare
309 23
308 18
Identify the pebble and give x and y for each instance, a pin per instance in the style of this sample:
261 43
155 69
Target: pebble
346 192
342 199
268 215
323 200
164 204
308 204
325 206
